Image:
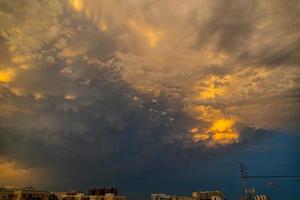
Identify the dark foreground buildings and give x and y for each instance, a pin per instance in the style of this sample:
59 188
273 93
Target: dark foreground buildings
27 193
108 193
198 195
13 193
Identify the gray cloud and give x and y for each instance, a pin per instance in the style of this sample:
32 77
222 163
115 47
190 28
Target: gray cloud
230 24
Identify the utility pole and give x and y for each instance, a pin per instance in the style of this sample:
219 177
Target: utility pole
247 193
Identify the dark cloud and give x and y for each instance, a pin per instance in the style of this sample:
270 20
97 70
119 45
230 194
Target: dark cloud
104 93
235 25
93 158
230 25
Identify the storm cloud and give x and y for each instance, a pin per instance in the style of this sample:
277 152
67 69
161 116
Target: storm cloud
118 90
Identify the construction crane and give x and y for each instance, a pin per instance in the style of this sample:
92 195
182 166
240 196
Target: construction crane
248 193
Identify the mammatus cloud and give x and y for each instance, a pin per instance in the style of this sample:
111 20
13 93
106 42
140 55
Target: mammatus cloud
212 54
88 80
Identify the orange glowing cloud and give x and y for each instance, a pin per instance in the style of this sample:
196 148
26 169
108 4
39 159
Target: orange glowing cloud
194 130
70 97
211 92
21 61
212 87
224 132
205 113
77 5
220 128
17 91
102 25
221 125
221 132
153 36
7 75
17 59
225 138
10 171
38 96
201 137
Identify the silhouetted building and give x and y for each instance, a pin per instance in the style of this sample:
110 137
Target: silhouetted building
110 193
103 191
22 194
182 198
89 197
208 195
160 197
199 195
261 197
70 195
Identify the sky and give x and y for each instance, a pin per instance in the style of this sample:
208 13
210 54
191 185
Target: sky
149 96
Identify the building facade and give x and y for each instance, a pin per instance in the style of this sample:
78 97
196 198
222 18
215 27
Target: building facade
208 195
159 196
103 191
23 194
261 197
82 196
198 195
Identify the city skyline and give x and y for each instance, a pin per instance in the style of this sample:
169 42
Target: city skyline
150 96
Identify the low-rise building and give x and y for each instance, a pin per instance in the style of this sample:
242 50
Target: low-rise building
261 197
69 195
159 196
92 195
22 194
183 198
102 191
198 195
208 195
